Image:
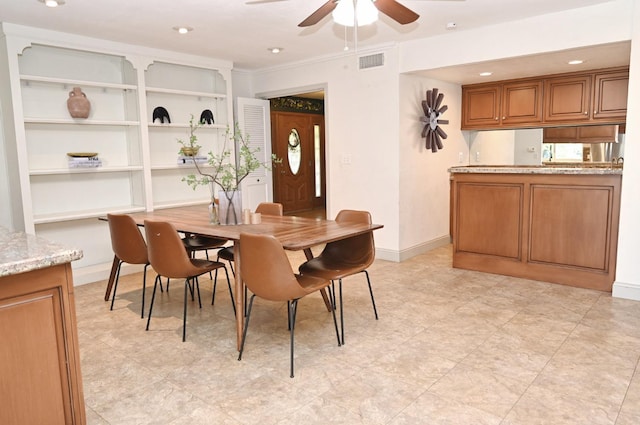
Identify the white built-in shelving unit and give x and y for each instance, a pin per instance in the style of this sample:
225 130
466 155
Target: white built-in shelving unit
124 84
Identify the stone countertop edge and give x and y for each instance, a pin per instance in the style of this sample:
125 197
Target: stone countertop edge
488 169
21 252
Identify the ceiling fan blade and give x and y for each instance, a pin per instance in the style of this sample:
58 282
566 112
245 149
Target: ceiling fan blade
316 16
396 11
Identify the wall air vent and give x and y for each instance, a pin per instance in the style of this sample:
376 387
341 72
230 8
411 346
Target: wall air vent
371 61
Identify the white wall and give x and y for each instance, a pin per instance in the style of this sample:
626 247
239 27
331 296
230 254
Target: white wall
627 282
491 147
424 179
362 147
528 147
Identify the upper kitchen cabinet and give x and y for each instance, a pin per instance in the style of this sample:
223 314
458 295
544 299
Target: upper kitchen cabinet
567 98
481 106
495 105
595 97
522 103
581 134
611 90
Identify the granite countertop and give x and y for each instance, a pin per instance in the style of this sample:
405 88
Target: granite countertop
538 169
21 252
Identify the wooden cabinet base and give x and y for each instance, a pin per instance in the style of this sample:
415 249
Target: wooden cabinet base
39 357
554 228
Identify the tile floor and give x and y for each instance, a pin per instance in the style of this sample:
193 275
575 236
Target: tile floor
451 347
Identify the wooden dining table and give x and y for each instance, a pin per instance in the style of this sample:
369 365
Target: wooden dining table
294 233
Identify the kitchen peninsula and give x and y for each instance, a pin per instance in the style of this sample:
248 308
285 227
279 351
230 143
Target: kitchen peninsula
39 358
554 224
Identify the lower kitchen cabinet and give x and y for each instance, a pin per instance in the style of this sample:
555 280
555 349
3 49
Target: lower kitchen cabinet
560 228
39 358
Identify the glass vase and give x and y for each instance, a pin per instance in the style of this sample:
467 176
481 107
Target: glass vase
230 207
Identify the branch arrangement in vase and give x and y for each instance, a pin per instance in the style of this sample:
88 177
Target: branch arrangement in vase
225 172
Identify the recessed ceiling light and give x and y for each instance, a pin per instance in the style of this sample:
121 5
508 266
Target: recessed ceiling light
52 3
485 74
275 50
183 30
575 62
451 25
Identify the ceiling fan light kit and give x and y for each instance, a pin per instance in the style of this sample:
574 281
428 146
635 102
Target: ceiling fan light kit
351 13
360 11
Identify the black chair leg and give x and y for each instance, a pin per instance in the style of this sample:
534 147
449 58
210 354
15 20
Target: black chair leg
115 285
184 314
292 318
246 326
215 284
153 297
373 302
341 311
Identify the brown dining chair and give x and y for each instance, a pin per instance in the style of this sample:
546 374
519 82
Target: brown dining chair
129 247
344 258
267 272
266 208
194 243
169 259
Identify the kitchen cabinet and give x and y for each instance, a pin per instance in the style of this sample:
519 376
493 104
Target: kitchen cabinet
481 106
496 105
41 381
542 225
611 91
592 97
522 103
581 134
567 98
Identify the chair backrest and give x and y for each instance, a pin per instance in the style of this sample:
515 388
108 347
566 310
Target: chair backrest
357 250
266 269
166 251
270 208
126 240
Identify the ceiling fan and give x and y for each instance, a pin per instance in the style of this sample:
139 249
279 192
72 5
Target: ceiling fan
391 8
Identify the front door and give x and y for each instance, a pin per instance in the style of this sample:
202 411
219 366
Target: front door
294 141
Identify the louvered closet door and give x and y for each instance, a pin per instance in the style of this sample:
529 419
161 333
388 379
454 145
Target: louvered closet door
254 121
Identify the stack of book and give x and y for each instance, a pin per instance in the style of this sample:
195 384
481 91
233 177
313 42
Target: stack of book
84 162
189 159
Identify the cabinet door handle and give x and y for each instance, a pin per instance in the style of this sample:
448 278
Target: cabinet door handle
504 118
586 113
496 118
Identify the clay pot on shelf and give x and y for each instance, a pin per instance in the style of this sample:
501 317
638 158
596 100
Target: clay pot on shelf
78 104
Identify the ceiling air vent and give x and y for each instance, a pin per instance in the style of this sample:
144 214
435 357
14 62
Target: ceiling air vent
371 61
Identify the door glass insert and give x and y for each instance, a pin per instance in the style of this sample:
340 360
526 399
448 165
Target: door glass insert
294 153
316 150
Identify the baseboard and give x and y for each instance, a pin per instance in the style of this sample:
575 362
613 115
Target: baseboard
630 291
405 254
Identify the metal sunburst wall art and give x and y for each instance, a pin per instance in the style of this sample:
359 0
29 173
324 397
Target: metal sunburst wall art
433 111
